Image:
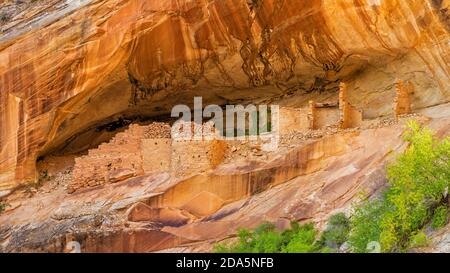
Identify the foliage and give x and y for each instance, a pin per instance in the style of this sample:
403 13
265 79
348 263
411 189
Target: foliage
263 240
419 239
3 206
336 232
266 239
440 217
297 239
302 240
4 17
365 224
418 183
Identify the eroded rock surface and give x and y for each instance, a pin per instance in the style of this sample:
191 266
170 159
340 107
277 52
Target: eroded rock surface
303 181
76 74
68 67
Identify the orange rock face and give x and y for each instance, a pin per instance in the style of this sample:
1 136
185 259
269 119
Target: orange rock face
66 69
303 181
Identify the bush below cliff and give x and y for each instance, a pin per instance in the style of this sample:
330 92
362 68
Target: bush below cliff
417 194
417 197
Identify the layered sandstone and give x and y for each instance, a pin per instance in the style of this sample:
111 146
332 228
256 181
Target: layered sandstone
308 182
67 67
89 76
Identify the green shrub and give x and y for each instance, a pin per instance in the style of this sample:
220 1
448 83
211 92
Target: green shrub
336 232
303 241
365 224
419 240
440 217
266 239
418 180
5 17
327 250
3 206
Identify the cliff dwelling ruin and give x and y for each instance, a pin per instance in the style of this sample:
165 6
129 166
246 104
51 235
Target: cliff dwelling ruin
143 150
155 148
90 150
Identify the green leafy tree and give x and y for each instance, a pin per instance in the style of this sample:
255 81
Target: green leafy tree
419 239
418 183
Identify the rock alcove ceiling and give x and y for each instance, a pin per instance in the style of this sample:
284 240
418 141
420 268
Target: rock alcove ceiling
66 68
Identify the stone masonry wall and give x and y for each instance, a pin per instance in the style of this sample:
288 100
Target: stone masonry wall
293 119
321 115
120 158
326 116
350 117
146 149
343 113
402 101
190 157
156 155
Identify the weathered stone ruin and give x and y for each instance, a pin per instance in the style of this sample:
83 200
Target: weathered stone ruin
319 115
293 119
198 152
402 101
143 150
138 150
350 117
156 154
323 114
190 148
76 74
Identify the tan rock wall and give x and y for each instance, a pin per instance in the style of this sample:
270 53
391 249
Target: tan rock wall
349 116
204 194
156 155
402 101
73 68
190 157
293 119
326 117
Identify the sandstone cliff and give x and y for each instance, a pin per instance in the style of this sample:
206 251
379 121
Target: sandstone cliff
306 180
67 67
